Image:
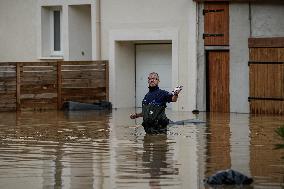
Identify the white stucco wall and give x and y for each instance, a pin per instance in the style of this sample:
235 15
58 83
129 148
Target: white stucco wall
154 20
267 20
45 32
239 56
125 74
80 32
18 36
201 66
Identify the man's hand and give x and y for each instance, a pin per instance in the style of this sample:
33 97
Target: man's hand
136 115
133 116
177 90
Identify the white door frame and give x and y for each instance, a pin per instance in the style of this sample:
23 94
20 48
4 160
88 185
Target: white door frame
115 93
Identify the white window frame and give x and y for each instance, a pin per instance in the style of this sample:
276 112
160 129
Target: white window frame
53 52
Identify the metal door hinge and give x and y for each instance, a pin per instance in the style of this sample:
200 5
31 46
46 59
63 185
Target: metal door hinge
265 98
212 35
212 10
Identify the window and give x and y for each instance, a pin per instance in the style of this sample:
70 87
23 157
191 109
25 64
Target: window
55 32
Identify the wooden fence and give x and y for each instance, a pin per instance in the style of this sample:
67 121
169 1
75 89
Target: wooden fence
266 74
47 85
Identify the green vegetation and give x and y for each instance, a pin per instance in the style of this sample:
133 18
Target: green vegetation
280 132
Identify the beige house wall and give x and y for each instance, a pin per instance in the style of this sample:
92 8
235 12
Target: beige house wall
23 37
151 21
18 34
79 38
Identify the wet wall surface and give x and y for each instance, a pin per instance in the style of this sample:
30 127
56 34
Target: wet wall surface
99 149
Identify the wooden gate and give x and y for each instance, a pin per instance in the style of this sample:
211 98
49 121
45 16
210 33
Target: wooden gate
8 86
216 23
218 98
266 75
47 85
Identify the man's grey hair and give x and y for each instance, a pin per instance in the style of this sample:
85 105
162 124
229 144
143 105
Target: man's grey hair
154 73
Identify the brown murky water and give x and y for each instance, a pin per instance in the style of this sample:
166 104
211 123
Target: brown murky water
108 150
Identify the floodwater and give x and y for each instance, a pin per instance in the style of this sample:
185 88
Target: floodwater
93 149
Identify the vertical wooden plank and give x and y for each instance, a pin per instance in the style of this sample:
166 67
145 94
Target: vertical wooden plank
272 54
212 81
219 81
259 87
256 102
18 86
268 82
251 84
281 78
216 23
282 83
270 89
253 91
277 72
276 86
268 85
251 81
226 64
265 81
251 53
59 85
254 55
261 80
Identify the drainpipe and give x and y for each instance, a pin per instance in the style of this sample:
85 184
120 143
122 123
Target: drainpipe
197 54
250 32
98 26
96 30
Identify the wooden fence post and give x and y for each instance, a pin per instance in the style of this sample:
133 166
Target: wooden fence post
18 86
59 84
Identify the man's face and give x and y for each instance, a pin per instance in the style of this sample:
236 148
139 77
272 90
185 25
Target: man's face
153 80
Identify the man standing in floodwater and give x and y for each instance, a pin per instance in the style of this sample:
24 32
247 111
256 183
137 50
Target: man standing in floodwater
154 103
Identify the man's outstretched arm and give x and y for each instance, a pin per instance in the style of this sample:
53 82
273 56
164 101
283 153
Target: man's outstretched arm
174 97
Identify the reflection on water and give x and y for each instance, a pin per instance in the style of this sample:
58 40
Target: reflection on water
94 149
156 162
218 143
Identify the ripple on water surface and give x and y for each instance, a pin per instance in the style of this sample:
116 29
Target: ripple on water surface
108 150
